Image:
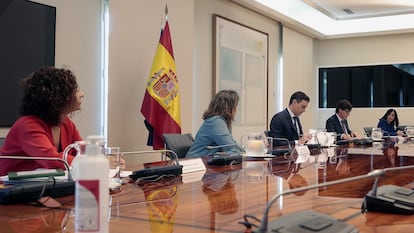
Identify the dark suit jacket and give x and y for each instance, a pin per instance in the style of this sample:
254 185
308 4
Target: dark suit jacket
282 126
333 125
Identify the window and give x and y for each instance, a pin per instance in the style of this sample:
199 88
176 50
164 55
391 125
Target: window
367 86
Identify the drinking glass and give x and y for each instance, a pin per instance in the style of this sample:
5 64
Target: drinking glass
255 171
114 156
322 159
323 138
376 134
331 138
254 144
269 145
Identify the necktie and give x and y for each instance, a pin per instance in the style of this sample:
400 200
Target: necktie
344 127
296 123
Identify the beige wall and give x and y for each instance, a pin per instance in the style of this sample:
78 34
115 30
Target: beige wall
203 39
371 50
297 72
134 33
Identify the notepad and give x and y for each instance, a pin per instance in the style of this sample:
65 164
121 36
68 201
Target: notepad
35 174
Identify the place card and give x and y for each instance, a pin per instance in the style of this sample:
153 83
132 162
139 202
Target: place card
303 154
192 165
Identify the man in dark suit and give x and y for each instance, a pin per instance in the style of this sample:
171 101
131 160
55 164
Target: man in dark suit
286 124
338 122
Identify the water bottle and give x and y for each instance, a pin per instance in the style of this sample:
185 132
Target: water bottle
92 189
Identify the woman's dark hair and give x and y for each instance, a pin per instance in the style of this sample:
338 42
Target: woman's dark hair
396 122
48 93
223 104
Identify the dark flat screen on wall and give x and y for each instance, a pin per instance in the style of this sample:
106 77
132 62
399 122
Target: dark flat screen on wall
27 42
367 86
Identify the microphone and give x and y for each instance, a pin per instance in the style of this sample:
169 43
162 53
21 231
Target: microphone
65 163
221 146
310 217
222 158
390 198
157 172
152 152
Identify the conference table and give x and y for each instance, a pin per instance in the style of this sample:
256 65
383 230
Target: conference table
218 198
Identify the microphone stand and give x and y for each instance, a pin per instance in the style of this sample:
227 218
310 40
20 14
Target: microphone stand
158 171
375 186
264 222
152 152
220 146
65 163
391 198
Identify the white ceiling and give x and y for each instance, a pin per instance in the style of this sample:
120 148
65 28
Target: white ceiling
357 9
339 18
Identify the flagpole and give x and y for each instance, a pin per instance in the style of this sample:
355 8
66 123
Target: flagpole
166 12
161 105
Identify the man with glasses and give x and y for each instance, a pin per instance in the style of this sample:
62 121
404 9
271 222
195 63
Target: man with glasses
286 124
338 122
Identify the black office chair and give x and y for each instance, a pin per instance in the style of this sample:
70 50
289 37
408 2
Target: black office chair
179 143
368 131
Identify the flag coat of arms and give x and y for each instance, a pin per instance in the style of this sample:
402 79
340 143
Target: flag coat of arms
161 104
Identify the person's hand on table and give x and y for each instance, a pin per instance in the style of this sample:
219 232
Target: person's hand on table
302 140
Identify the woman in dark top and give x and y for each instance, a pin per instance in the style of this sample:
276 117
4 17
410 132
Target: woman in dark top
389 122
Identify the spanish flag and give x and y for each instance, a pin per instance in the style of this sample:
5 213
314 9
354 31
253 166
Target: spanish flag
161 104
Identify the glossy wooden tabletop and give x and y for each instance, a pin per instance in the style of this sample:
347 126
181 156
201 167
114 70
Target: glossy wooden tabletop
217 199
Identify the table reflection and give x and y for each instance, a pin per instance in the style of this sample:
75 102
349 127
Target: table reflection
23 219
219 188
353 161
161 200
289 171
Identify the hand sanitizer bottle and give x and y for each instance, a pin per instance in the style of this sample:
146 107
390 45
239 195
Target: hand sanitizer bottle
92 189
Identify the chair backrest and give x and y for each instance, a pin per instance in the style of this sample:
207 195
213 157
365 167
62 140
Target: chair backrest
281 146
179 143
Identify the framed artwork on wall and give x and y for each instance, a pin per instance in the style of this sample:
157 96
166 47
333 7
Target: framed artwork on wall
240 62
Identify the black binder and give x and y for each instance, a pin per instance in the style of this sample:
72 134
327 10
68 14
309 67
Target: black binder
25 192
